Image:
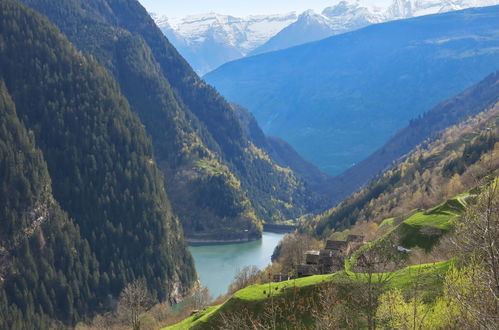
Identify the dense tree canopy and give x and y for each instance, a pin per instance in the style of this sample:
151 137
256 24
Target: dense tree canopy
102 173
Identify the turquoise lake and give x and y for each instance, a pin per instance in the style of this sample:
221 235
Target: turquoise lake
217 264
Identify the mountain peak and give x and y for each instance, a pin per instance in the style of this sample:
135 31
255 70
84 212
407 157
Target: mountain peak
311 17
342 8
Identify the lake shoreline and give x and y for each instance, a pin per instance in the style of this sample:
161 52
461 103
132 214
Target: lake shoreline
278 229
267 228
217 264
202 242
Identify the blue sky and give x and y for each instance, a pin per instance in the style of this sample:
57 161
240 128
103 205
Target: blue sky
181 8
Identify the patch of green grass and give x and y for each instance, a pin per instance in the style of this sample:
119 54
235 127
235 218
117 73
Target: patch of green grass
436 220
429 278
424 229
210 168
253 298
387 223
197 319
255 292
455 206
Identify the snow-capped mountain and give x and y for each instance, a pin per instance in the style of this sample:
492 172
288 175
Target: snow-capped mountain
400 9
352 15
208 41
309 26
312 26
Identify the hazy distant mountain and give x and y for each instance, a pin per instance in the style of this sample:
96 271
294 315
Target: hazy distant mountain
338 100
467 104
208 41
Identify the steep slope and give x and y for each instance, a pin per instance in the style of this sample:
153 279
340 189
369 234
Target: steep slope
98 155
339 99
468 103
459 159
285 156
41 276
212 170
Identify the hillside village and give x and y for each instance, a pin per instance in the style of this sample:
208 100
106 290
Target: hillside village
329 260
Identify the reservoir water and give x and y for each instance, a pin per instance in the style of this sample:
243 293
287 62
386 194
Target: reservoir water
217 264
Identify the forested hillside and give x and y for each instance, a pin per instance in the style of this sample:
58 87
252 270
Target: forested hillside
286 156
434 171
96 159
219 182
41 277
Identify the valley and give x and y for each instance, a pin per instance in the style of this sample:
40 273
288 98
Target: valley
341 172
338 100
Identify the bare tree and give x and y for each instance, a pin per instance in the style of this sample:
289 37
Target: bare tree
240 320
329 310
476 239
201 298
245 276
293 247
373 271
133 301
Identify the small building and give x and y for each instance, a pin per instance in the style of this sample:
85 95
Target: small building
307 270
329 260
326 253
326 257
312 257
338 246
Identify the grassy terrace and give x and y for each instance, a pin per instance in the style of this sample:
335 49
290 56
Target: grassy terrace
424 229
